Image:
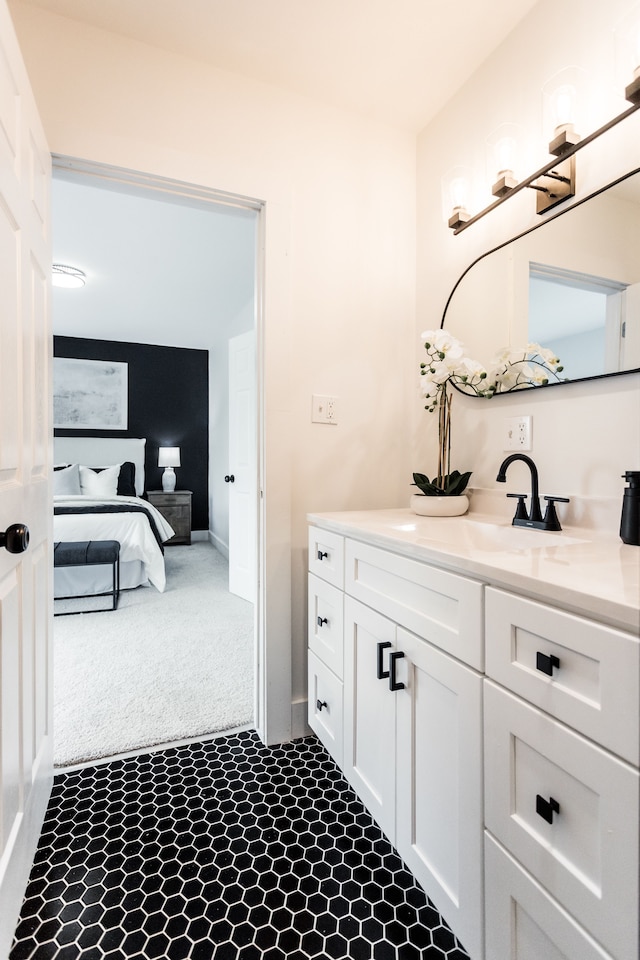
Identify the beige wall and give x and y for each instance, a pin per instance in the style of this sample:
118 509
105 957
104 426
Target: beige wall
340 256
585 435
340 221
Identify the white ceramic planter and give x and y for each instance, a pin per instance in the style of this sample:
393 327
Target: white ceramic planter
439 506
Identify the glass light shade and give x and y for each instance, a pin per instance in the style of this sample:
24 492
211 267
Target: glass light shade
564 98
626 34
66 276
456 190
169 456
563 104
503 154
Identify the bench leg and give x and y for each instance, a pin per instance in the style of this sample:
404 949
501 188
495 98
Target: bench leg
114 593
116 583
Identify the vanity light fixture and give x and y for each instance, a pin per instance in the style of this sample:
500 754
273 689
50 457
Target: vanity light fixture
555 181
63 275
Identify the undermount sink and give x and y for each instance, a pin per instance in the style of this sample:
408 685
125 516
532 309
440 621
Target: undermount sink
485 536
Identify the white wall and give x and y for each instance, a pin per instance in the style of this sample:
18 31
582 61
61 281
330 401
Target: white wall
339 260
585 435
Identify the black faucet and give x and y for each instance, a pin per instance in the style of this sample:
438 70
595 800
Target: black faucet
534 518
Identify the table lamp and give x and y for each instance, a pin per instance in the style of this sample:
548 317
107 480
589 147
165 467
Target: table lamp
169 457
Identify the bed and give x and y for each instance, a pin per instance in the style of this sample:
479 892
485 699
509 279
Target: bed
97 495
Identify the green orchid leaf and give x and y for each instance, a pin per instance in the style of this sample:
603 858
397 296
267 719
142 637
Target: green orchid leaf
453 484
457 483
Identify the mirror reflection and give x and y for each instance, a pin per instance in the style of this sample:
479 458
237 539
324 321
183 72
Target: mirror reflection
571 284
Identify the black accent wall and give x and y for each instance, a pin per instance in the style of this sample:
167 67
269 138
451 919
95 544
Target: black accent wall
168 404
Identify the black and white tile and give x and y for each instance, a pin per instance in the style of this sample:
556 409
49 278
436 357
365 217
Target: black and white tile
223 850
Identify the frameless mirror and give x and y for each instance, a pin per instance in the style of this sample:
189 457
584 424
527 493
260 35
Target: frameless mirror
570 284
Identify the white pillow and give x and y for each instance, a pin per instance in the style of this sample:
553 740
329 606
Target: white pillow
66 482
102 484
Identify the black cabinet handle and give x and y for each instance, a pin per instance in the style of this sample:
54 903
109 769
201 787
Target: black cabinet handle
320 704
15 538
322 555
380 673
393 683
229 478
546 808
322 620
546 664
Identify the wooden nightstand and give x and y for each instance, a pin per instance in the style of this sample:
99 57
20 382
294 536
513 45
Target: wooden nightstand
176 509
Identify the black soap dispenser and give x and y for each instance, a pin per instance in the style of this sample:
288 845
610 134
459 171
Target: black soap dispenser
630 520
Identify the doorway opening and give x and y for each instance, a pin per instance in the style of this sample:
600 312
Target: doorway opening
210 244
580 316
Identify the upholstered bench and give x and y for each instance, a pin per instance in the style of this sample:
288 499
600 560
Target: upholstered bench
85 553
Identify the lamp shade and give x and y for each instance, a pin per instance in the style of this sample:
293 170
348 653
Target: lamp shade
169 456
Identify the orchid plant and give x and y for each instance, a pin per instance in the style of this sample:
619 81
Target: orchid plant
445 365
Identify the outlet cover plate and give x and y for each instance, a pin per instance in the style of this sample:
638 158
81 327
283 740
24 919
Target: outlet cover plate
324 409
517 433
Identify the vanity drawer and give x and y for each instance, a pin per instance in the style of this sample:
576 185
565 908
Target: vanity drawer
438 606
326 556
523 922
326 623
586 857
593 683
325 706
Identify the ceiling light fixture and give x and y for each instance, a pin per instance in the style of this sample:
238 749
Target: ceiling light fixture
65 276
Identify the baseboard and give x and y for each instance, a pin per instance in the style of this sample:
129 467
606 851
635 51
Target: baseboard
299 725
199 535
219 544
18 858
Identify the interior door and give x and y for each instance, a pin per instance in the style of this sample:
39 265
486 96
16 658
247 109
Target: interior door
25 577
241 476
630 359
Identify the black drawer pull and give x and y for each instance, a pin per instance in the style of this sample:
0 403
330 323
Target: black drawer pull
380 673
322 620
320 704
546 664
322 555
546 808
393 683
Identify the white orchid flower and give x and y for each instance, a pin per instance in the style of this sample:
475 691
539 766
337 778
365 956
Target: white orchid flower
471 369
427 387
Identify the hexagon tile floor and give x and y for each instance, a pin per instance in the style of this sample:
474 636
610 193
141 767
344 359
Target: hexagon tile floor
223 850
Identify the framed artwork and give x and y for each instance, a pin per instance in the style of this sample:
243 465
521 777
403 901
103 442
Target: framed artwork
90 394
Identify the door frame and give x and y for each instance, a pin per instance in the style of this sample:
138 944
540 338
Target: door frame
272 621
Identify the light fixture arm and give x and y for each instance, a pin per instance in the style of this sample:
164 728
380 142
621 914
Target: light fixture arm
549 169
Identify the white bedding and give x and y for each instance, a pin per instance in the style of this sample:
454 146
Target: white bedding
138 545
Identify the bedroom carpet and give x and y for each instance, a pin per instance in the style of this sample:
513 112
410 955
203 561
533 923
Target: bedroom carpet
163 667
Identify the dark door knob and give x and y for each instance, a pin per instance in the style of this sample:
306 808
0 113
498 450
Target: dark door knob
15 538
229 478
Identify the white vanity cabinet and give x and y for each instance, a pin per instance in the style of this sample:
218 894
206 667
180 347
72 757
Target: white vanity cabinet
411 714
325 638
493 735
561 784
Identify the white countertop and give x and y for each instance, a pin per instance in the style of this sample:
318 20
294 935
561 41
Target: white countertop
580 570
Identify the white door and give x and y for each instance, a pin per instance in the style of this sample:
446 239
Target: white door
241 473
630 350
25 578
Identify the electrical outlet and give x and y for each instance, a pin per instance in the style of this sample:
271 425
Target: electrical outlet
517 433
324 409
